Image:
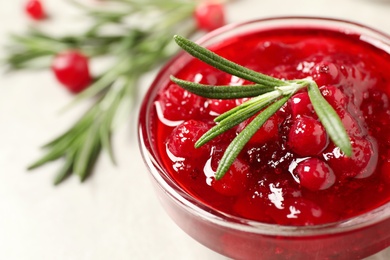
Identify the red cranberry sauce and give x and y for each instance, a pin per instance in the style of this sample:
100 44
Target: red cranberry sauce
290 172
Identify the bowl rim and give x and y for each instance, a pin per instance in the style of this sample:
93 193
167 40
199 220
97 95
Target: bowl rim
201 210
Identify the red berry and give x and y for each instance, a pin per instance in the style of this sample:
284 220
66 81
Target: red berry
361 164
220 106
325 73
181 142
268 131
179 104
315 174
335 97
307 137
301 105
72 70
34 9
234 181
209 16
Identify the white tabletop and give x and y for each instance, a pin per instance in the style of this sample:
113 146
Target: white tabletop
115 214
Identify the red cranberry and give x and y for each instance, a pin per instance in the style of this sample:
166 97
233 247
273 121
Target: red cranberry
181 142
315 174
220 106
301 105
335 97
307 137
325 73
72 70
35 10
209 15
267 132
179 104
234 181
361 164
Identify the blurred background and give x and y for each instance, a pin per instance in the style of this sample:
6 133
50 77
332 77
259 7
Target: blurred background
115 213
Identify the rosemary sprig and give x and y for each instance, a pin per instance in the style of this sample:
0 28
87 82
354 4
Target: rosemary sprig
269 95
135 48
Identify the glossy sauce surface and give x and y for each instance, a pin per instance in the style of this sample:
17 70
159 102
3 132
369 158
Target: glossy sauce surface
289 173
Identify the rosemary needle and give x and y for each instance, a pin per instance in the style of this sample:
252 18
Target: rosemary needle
267 95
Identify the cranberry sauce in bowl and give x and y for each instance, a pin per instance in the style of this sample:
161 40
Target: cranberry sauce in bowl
291 193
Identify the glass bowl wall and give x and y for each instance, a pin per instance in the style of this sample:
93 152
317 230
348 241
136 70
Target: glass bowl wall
240 238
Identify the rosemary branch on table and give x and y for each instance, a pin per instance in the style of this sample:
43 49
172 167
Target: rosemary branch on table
135 47
267 95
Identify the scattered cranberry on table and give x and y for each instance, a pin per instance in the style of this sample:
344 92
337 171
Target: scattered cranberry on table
209 15
35 9
72 70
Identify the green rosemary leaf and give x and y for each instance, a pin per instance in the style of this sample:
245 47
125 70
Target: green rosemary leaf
54 155
57 150
242 138
329 119
66 169
219 129
101 84
90 147
235 110
105 139
222 92
276 94
76 130
262 99
225 65
241 113
105 129
134 49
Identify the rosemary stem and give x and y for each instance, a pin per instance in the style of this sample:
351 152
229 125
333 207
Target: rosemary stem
276 93
242 138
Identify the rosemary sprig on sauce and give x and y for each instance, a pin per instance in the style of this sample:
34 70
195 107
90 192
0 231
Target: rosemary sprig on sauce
267 94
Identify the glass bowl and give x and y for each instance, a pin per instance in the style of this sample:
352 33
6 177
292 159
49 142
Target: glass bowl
240 238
